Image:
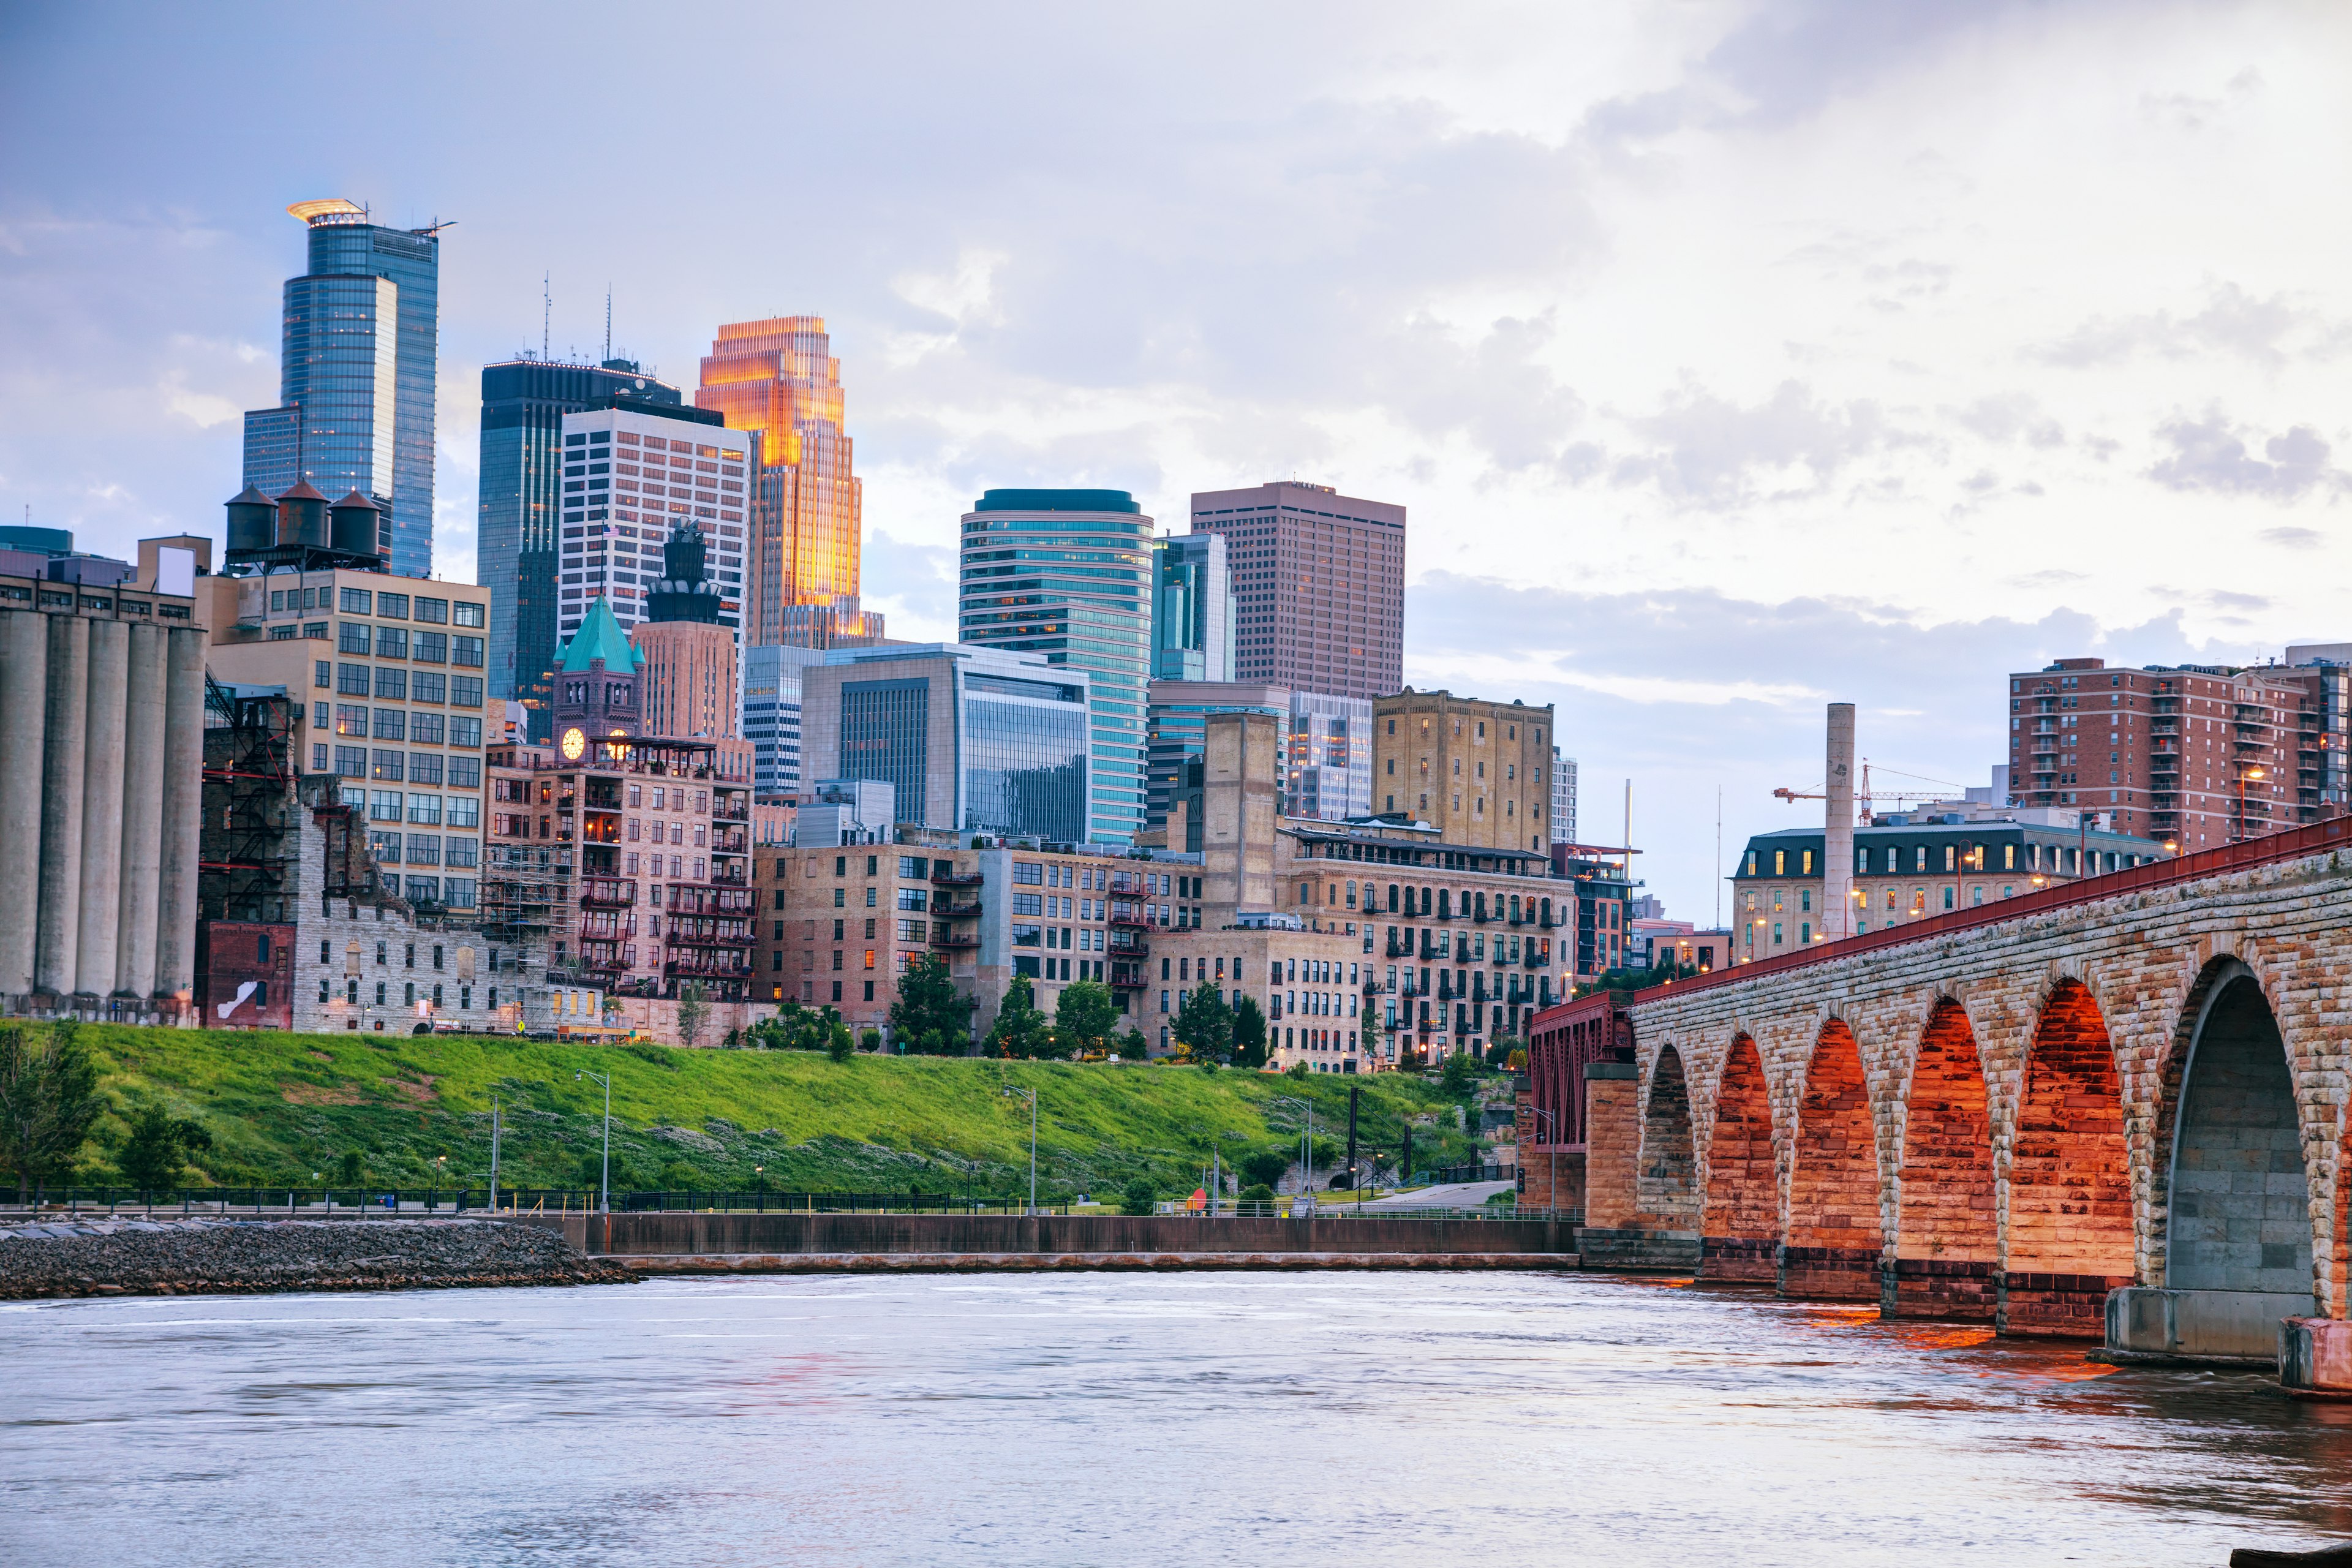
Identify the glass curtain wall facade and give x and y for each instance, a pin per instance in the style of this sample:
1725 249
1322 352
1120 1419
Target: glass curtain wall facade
778 377
885 735
772 718
1177 733
1194 615
360 349
1330 761
523 405
1024 758
1563 798
1068 574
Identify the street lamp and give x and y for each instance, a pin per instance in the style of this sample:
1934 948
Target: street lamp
1306 1144
2257 775
605 1174
1010 1092
1216 1171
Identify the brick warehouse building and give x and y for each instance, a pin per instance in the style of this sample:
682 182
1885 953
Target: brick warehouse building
2197 755
1480 773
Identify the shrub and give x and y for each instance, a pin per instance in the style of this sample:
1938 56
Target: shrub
1264 1167
1138 1197
1257 1193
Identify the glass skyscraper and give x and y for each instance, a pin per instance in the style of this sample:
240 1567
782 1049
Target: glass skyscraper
1068 574
1330 766
1193 614
523 405
361 344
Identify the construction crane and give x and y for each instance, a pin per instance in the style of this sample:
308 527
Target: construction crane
1865 794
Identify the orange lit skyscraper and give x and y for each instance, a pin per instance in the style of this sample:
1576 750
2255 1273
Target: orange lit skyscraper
779 377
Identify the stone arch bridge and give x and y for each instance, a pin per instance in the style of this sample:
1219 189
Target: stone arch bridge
2133 1086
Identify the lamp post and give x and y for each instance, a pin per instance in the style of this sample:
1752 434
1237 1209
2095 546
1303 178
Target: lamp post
1306 1144
1216 1171
604 1199
2257 775
1010 1092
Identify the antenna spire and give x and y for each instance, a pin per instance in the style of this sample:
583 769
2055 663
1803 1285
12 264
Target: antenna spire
608 321
546 310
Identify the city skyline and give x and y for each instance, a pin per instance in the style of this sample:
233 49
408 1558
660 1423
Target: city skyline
1853 442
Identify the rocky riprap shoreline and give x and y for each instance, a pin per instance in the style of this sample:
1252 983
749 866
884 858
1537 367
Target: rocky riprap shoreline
210 1257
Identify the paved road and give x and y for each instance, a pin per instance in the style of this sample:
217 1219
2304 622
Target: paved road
1460 1196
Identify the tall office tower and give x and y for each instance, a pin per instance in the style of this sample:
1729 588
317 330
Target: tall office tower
772 681
523 404
779 377
1176 734
628 475
1320 581
972 739
1067 574
1193 611
688 659
1328 768
355 375
1563 798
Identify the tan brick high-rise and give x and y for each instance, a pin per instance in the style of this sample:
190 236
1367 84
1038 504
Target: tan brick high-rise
1479 772
1319 581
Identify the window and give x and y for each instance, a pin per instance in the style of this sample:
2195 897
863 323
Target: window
467 651
427 685
351 680
425 729
350 719
391 642
466 690
351 637
424 768
914 868
465 731
350 762
393 606
433 610
354 603
433 647
464 772
391 683
387 766
465 614
383 804
322 675
424 809
390 724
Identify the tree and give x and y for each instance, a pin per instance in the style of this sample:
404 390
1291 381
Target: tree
1498 1055
1457 1075
931 1018
155 1157
691 1011
353 1170
1133 1047
1372 1030
1249 1031
1140 1196
1085 1014
1204 1024
837 1043
49 1100
870 1040
1020 1029
1265 1167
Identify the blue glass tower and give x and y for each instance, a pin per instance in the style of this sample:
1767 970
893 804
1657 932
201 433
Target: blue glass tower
1068 574
361 344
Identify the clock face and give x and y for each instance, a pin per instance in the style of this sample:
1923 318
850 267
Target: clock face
575 743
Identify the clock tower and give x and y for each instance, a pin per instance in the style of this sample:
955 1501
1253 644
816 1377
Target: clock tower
597 683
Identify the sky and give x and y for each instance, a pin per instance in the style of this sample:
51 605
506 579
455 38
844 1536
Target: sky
1731 359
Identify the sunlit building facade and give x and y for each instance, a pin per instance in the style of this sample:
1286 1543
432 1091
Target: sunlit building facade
1068 574
629 474
778 377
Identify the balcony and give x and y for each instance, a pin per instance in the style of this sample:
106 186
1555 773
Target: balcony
608 893
948 939
1135 920
730 843
954 911
1133 947
945 875
1128 977
709 961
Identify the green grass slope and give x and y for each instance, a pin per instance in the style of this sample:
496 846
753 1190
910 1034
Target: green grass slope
416 1109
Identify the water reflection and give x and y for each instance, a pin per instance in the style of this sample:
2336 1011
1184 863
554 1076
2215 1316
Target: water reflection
1443 1418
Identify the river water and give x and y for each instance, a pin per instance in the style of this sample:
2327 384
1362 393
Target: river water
1433 1419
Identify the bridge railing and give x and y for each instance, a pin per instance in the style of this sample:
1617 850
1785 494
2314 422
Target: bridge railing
2313 839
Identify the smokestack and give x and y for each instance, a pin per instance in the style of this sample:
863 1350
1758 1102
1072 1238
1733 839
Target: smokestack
1837 839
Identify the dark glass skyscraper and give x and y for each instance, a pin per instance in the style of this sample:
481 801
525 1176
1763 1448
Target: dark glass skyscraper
361 344
523 405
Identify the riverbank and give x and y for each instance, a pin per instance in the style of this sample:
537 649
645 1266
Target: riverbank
212 1257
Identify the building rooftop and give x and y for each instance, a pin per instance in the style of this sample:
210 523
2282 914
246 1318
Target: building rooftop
600 637
1057 501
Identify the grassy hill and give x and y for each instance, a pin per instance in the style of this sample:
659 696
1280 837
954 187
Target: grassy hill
281 1106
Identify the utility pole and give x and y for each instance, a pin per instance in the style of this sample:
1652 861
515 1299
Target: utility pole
604 1177
494 1153
1355 1092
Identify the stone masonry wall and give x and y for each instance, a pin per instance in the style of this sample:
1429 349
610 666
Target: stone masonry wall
2041 1058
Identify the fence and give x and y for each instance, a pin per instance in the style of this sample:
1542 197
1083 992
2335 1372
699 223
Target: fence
1438 1175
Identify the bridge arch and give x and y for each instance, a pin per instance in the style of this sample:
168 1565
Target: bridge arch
1667 1183
2070 1237
1948 1228
2232 1184
1740 1231
1834 1234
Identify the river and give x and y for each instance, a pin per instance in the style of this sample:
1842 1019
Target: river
1431 1419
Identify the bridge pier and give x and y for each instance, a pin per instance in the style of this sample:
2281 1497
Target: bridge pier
1830 1273
1734 1259
2057 1306
1940 1288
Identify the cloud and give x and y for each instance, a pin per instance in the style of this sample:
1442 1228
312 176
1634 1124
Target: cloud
1716 453
2293 538
2232 322
2010 418
2209 454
